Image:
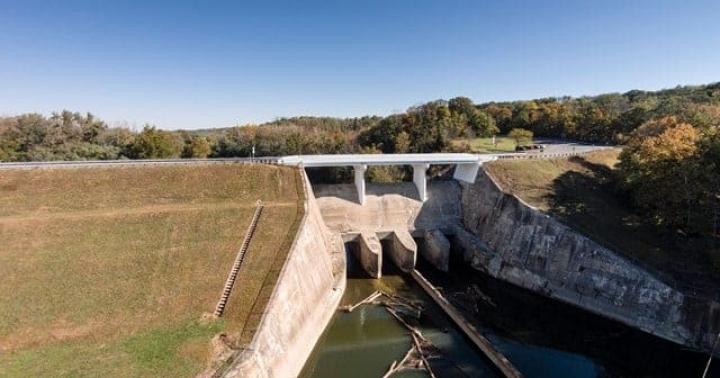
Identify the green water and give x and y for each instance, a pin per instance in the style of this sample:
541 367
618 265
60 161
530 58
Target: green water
365 342
542 338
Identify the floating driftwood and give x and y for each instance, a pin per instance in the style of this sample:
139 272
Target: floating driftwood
497 358
396 301
414 360
375 295
395 366
417 356
421 352
388 300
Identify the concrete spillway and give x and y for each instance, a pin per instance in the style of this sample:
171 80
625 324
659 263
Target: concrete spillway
496 234
501 236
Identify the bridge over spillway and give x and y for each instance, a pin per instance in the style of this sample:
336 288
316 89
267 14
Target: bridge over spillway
466 165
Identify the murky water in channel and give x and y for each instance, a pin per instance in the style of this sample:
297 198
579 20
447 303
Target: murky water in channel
542 338
365 342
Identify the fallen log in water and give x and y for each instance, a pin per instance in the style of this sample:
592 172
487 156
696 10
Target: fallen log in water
375 295
420 346
425 362
497 358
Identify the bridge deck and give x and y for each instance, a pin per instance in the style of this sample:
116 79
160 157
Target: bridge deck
383 159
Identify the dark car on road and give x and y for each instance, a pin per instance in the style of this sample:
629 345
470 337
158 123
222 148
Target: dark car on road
530 147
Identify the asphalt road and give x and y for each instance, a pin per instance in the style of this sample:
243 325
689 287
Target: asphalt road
554 146
551 148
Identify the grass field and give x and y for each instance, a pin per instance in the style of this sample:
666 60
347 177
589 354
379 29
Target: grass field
579 191
485 145
107 272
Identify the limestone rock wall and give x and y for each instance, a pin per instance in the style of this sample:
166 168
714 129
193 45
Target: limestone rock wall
305 297
519 244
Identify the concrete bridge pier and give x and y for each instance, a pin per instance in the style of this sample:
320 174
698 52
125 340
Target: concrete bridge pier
369 254
359 171
436 249
402 250
420 179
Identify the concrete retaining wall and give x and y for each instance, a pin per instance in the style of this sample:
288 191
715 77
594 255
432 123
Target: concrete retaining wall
390 207
304 300
521 245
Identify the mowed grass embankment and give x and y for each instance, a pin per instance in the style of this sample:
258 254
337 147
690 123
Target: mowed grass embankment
581 192
486 145
108 272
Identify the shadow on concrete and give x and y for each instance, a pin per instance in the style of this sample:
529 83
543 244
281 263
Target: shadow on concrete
589 202
348 192
354 268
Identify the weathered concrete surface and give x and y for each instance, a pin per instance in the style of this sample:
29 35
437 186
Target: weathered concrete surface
402 250
390 207
305 297
436 249
369 254
530 249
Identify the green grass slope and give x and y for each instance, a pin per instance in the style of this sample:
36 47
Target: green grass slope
107 272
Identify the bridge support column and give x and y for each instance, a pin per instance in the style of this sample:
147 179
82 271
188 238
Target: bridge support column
360 181
420 179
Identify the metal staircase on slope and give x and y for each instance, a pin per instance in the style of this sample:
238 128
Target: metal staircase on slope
230 282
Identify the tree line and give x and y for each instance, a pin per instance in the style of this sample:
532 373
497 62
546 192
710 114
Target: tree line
430 127
607 118
74 136
670 166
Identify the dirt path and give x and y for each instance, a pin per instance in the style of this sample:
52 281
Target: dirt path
116 212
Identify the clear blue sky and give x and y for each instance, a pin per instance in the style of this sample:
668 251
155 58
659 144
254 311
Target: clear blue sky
180 64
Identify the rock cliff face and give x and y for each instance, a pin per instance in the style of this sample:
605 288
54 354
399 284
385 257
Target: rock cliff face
519 244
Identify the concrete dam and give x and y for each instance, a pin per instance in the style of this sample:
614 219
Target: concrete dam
462 230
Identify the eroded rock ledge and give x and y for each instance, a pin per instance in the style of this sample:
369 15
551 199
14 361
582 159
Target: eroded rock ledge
512 241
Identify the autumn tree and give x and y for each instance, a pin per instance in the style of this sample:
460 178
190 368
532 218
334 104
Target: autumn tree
502 114
196 147
428 126
521 136
660 168
152 143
